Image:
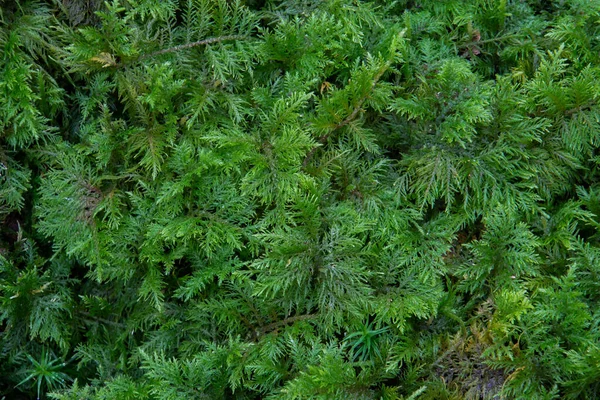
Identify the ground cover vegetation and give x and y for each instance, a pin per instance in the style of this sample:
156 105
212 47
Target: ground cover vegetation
299 199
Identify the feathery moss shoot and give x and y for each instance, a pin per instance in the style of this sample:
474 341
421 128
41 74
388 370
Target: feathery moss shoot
299 199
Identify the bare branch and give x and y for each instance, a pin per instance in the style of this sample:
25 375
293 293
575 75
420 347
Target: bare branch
272 326
187 46
193 44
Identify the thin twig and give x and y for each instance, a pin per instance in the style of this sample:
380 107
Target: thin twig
272 326
193 44
188 46
93 319
582 107
496 39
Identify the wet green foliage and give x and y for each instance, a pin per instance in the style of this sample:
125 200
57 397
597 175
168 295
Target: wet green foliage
299 199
